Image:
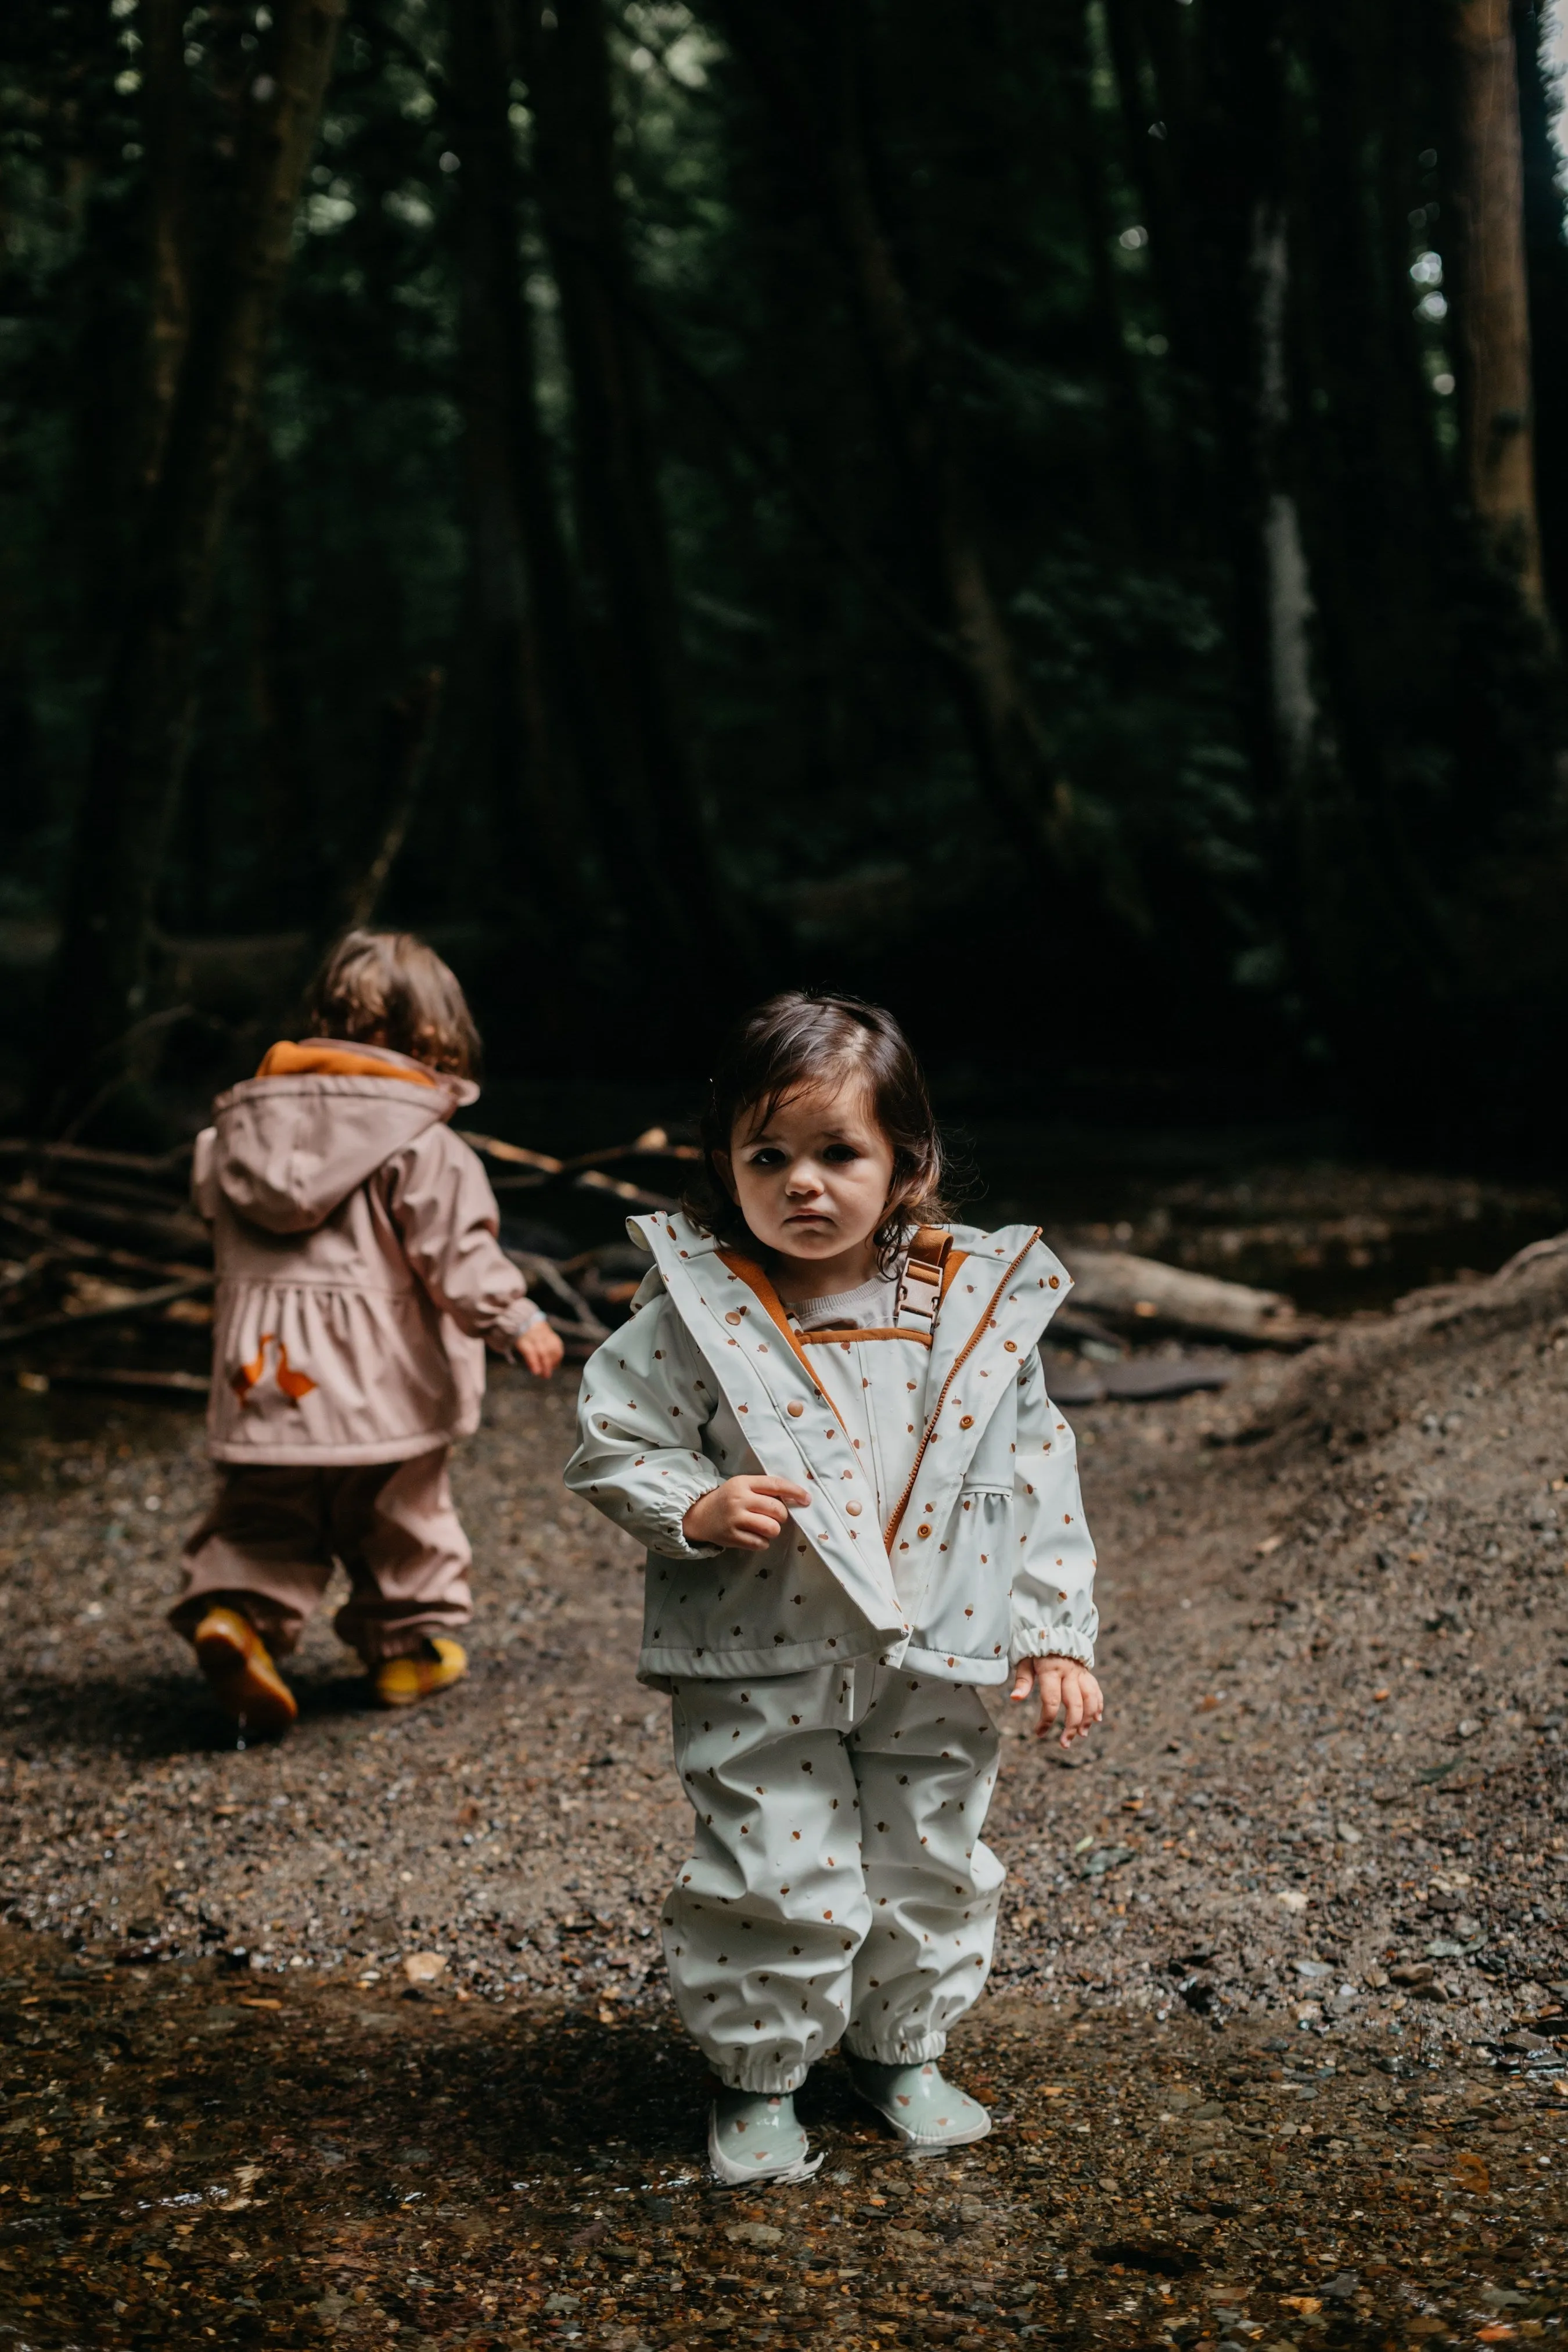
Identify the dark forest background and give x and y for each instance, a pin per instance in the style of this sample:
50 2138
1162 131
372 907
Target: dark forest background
1050 513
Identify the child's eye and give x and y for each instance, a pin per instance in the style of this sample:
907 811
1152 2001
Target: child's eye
841 1151
767 1155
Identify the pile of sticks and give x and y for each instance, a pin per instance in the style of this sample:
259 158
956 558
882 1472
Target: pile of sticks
102 1257
100 1243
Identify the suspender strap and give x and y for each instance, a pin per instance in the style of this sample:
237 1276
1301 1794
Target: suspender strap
920 1293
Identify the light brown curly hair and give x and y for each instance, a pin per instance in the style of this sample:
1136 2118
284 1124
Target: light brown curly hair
387 988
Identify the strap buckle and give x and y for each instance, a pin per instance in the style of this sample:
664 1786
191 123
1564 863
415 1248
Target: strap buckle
919 1290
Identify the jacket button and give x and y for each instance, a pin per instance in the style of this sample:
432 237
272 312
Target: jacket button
795 1410
923 1531
968 1421
853 1509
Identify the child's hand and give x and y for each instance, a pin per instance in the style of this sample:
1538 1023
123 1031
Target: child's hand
745 1514
540 1348
1065 1687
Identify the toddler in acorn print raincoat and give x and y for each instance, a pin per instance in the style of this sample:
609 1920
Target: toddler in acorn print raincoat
827 1422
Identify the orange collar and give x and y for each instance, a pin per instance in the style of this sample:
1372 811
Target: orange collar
286 1060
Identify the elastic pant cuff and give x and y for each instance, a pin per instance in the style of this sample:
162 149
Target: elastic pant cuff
763 2078
906 2050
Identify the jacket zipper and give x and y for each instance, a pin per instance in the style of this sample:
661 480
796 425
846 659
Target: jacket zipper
957 1366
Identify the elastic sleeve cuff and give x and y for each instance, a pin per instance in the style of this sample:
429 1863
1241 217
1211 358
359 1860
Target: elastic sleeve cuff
1050 1641
660 1524
524 1316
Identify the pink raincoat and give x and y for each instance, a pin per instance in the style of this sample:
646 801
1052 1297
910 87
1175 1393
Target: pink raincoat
359 1275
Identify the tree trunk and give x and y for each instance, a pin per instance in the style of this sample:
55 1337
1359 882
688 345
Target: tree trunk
1547 260
1200 107
819 106
628 590
410 735
528 714
287 780
165 115
1493 304
1136 490
1288 587
141 736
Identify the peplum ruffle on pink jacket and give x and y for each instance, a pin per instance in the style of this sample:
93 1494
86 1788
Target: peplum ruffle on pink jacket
359 1274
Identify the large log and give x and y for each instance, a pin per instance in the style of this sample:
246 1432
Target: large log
1145 1291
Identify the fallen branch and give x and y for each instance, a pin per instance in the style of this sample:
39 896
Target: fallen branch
493 1149
106 1376
653 1144
179 1228
84 1252
30 1270
81 1155
547 1282
632 1194
130 1310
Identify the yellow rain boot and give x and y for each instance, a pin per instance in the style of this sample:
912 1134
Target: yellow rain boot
402 1682
247 1686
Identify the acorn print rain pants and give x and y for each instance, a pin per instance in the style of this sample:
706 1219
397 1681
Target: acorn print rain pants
838 1885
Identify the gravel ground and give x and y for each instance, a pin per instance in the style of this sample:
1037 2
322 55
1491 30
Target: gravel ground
1279 2010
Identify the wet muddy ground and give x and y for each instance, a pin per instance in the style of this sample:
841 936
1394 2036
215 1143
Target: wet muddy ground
320 2163
1281 2012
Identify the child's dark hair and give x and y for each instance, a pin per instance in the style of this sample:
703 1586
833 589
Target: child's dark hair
387 988
803 1038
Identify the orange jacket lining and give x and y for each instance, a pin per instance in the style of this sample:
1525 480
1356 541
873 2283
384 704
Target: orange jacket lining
841 1334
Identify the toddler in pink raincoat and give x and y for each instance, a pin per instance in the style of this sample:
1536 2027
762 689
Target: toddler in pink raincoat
359 1282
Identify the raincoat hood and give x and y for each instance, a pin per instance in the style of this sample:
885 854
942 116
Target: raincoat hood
317 1121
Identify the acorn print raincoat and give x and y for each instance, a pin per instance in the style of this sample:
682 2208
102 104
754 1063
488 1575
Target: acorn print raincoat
945 1530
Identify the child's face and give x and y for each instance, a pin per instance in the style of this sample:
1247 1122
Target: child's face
812 1184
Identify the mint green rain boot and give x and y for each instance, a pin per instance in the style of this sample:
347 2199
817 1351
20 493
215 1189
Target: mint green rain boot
925 2111
754 2136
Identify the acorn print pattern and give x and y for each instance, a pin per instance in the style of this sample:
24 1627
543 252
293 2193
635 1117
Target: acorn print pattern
993 1560
837 1886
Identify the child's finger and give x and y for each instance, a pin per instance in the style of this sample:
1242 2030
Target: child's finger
785 1490
1050 1699
756 1529
1023 1681
1072 1708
